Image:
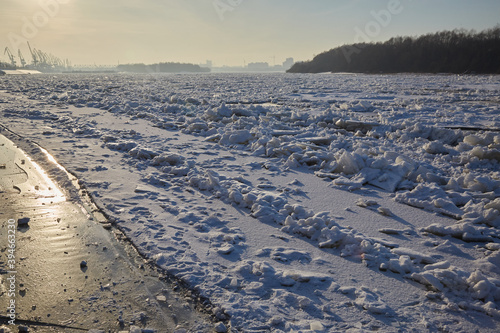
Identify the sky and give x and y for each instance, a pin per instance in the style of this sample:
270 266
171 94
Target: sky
227 32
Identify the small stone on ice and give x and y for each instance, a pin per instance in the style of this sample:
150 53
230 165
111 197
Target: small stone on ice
220 328
161 298
23 221
83 264
106 287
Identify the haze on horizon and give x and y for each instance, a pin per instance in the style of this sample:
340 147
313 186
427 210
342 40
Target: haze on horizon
227 32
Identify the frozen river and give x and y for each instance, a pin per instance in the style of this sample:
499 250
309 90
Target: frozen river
331 202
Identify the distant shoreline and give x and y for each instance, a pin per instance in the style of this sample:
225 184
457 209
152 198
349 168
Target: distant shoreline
454 52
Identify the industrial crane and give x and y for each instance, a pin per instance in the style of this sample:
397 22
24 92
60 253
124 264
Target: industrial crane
33 55
41 60
11 57
21 58
41 56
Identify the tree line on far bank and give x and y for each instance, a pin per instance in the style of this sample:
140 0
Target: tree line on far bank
457 51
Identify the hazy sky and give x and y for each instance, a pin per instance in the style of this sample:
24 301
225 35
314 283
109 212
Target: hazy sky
225 31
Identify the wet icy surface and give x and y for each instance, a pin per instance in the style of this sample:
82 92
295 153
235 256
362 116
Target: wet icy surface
72 272
293 202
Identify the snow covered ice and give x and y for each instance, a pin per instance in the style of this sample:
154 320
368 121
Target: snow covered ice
301 203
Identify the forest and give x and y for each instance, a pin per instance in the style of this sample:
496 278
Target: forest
458 51
164 67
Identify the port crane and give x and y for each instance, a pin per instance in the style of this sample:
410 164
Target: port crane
21 58
33 55
11 56
41 57
42 61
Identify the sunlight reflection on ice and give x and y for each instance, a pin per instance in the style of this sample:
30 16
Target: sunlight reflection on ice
51 192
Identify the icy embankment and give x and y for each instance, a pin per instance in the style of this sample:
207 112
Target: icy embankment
402 135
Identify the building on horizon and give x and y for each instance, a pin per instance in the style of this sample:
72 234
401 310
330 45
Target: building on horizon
288 63
207 64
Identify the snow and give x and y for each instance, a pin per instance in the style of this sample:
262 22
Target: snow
293 202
